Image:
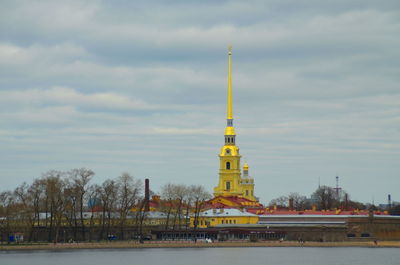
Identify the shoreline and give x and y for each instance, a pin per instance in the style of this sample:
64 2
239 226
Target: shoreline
188 244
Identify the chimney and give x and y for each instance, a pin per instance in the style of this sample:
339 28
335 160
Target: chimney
291 204
389 201
146 195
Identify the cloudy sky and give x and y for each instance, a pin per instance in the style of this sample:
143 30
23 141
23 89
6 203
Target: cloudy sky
140 87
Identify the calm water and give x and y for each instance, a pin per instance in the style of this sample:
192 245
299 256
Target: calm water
209 256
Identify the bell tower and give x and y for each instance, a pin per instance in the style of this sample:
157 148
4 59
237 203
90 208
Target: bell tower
229 158
248 184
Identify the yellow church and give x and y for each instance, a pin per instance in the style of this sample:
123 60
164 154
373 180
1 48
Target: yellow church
234 189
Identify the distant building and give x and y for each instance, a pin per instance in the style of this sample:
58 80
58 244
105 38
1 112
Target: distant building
214 217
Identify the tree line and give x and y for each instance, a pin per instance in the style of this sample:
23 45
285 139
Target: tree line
326 198
63 206
67 206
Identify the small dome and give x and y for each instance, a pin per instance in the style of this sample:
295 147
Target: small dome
245 166
229 131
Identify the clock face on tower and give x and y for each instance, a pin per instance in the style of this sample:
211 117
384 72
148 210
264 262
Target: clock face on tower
228 151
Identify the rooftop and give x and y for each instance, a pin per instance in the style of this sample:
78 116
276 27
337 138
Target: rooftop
225 212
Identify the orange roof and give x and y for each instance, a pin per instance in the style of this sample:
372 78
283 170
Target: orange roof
235 202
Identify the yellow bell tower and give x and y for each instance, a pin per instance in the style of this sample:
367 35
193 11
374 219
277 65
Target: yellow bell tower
248 184
230 182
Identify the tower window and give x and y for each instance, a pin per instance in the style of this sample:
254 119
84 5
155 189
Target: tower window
228 165
247 192
228 185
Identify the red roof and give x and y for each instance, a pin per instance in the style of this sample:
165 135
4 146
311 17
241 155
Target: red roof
311 212
153 204
258 208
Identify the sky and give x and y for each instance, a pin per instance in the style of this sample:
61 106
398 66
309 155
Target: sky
140 87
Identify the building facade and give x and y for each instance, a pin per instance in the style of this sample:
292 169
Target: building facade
215 217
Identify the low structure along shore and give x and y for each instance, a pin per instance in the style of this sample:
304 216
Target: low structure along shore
192 244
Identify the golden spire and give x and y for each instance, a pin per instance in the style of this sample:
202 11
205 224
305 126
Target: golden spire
229 113
229 130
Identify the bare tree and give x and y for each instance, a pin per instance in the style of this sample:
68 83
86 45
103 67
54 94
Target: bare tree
71 206
300 202
188 198
24 201
81 178
180 192
199 196
93 195
7 205
168 194
36 192
129 194
54 188
108 193
281 202
325 197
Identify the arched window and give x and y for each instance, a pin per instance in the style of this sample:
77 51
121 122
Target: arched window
247 192
228 185
228 165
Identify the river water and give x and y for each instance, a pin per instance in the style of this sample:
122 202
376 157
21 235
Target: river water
208 256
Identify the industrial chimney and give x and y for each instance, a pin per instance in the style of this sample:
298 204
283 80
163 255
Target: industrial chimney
146 195
291 204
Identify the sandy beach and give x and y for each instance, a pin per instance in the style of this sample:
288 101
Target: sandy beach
188 244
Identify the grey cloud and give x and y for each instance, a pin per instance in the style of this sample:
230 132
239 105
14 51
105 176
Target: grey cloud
140 86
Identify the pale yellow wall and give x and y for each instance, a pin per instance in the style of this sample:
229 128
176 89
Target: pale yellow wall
250 188
210 221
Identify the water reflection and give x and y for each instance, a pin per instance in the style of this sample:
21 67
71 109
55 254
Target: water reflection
209 256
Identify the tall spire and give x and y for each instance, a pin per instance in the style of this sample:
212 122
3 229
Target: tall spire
229 111
229 130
